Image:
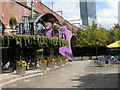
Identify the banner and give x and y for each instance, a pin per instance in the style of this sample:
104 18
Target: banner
65 51
62 33
48 32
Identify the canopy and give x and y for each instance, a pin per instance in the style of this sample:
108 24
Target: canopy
114 45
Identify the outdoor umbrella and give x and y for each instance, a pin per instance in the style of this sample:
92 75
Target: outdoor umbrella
114 45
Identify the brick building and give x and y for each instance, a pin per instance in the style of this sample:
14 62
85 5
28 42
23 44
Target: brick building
18 9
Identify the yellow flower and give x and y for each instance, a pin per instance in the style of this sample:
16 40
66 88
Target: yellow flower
52 60
43 61
22 63
18 62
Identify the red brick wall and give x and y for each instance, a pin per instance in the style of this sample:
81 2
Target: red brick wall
12 9
0 10
44 8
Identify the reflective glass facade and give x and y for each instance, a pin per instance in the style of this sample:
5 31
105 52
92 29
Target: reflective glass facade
88 12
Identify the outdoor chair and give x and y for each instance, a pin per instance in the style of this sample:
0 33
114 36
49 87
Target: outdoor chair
114 60
99 62
102 61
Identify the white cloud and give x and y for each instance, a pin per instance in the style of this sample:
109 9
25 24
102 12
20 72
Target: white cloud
70 10
78 0
106 16
107 22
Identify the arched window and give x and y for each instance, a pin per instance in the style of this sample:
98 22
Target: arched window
12 22
40 29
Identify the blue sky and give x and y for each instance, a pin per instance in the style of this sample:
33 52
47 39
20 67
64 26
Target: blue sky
107 10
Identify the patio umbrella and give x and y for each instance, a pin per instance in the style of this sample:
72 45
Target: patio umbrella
114 45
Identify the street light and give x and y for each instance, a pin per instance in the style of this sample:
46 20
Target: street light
59 12
32 5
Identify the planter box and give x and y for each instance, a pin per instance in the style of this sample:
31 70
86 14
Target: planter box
64 62
58 63
51 65
42 66
67 61
20 70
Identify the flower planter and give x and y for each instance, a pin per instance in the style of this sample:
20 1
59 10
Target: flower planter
51 64
42 66
58 63
64 62
20 70
67 62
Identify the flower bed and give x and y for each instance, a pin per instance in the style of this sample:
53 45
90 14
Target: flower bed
59 61
21 64
43 65
51 63
64 60
21 67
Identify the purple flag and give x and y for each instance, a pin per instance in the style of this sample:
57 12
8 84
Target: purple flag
63 33
48 32
65 51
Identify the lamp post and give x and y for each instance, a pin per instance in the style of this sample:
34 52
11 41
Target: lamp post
32 5
60 12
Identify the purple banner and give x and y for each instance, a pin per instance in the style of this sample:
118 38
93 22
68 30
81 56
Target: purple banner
65 51
63 33
48 32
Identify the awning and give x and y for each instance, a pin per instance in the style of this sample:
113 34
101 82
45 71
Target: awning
114 45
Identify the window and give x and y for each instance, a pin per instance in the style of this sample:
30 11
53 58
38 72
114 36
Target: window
40 29
1 28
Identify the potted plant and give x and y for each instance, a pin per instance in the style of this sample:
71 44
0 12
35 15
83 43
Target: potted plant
51 62
21 67
59 61
43 63
64 59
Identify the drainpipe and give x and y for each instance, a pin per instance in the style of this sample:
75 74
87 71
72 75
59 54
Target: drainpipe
32 9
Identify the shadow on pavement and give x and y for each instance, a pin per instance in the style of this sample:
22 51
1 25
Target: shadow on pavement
98 80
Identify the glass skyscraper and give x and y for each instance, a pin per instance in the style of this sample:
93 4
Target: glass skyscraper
119 12
87 12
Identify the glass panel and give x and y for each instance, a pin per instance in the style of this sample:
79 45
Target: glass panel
0 29
40 29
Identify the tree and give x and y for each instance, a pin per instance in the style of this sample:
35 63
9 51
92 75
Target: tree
116 26
93 36
82 37
101 37
110 36
114 34
117 34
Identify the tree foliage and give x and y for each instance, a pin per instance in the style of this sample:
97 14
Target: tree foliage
95 36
